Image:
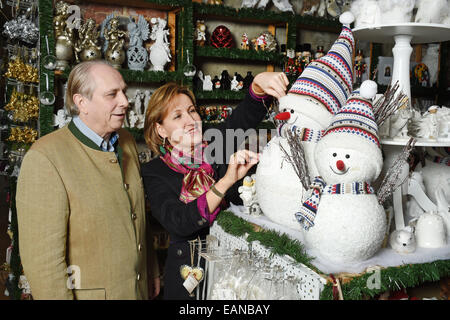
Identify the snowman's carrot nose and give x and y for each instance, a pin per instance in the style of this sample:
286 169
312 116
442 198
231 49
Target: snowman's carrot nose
283 116
340 165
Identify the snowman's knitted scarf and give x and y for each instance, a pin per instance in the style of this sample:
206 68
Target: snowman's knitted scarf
443 156
442 160
307 213
305 134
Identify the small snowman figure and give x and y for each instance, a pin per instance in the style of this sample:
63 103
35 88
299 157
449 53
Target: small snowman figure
342 217
247 192
307 108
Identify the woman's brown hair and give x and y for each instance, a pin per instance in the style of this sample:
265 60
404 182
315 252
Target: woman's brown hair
157 111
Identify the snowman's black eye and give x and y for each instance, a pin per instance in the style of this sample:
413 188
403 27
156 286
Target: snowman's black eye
292 111
284 110
347 156
334 154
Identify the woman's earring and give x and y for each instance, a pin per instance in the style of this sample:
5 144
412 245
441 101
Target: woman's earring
164 141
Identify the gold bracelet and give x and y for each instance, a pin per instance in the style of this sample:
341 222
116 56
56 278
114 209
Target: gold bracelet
217 192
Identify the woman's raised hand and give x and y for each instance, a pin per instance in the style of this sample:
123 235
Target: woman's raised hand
271 83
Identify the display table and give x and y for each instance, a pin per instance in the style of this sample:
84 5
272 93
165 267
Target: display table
395 271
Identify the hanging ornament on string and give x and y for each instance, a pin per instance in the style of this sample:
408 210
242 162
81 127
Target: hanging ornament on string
192 275
49 61
189 69
46 97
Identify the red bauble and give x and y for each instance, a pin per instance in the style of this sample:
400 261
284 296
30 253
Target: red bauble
221 38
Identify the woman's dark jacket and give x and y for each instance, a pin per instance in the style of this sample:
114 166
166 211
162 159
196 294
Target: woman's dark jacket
183 221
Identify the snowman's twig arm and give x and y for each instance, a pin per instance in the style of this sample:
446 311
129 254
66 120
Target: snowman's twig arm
393 175
297 158
391 101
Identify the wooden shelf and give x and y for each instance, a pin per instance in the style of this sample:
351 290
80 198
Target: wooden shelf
149 4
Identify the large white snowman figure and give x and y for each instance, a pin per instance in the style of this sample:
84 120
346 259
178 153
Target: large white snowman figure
342 216
317 94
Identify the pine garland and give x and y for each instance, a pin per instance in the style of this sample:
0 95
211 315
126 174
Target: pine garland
46 120
136 76
392 278
220 95
278 243
15 264
238 54
138 134
186 27
169 3
46 29
291 33
259 15
318 23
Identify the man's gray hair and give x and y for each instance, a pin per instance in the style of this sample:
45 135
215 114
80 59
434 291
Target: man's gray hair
81 81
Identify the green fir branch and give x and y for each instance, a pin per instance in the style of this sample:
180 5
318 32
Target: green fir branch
138 134
220 95
251 14
238 54
391 278
278 243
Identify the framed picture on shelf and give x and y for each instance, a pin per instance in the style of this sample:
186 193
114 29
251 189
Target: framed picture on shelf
385 68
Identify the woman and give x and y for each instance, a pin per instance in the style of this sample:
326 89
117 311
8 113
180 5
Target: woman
185 192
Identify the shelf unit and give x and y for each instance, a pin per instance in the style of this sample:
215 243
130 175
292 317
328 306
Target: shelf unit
176 14
181 15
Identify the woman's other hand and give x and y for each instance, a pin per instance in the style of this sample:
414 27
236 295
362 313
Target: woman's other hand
240 163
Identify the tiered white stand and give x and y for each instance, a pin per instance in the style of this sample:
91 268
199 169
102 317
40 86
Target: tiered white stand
403 34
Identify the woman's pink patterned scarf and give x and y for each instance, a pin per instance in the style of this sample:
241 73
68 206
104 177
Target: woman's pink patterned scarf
198 174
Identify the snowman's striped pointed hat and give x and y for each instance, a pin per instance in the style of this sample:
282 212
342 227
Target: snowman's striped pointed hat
356 117
328 81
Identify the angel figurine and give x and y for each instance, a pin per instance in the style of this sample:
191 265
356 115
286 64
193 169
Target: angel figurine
61 118
138 33
87 44
114 41
159 51
60 20
63 35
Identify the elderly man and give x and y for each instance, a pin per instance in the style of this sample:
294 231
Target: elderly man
80 199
